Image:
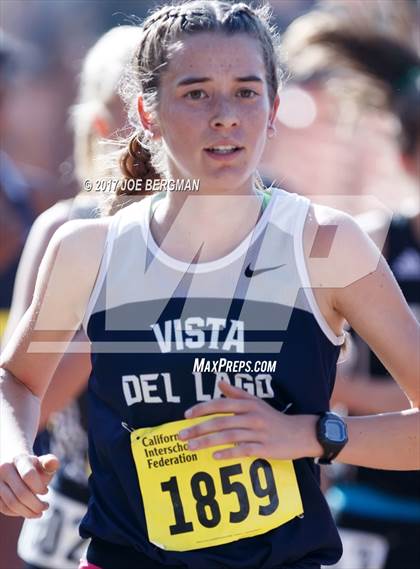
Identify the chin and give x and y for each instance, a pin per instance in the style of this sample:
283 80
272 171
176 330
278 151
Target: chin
228 175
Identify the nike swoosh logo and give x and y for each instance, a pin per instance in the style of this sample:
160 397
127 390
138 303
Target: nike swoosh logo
253 273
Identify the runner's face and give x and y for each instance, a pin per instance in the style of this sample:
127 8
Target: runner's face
214 93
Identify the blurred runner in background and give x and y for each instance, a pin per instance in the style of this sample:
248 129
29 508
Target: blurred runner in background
381 510
17 213
362 72
17 207
99 119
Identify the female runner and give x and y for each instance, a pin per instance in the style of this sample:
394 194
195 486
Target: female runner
190 296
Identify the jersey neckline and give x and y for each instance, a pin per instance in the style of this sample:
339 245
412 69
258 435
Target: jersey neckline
207 266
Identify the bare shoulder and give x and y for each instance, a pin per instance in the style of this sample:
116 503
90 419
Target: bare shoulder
66 275
338 251
90 233
82 242
70 265
63 287
39 237
42 230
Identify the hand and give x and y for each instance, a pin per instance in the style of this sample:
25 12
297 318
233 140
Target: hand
255 428
20 482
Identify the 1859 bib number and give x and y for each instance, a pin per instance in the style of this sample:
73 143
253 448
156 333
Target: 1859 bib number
192 501
207 507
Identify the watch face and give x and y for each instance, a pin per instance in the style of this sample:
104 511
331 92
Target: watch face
334 431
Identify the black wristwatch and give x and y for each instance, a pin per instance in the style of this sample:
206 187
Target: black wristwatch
331 432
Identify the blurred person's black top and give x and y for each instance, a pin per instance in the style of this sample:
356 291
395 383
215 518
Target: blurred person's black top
380 502
17 213
403 255
15 196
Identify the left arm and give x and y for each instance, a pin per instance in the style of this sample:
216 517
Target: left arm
367 296
362 395
376 309
388 441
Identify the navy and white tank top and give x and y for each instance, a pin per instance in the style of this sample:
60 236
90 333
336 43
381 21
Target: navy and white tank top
155 321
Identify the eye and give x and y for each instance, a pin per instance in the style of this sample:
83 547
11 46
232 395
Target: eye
195 95
247 93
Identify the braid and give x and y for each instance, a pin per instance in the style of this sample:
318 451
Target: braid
136 162
242 9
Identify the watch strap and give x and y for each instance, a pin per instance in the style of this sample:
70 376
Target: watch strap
331 448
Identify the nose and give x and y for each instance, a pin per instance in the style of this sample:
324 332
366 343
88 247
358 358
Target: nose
224 116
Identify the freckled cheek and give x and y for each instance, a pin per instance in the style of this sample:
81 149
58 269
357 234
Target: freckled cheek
180 129
256 131
258 114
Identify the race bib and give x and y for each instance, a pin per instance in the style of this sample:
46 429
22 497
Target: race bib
362 550
193 501
53 540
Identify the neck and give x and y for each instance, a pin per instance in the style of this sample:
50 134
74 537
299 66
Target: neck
183 222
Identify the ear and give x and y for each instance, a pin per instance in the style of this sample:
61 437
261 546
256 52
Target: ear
274 109
149 125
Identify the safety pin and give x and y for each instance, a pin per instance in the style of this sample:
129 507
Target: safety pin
126 427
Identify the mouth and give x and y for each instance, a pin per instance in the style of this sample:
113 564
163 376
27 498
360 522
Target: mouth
223 150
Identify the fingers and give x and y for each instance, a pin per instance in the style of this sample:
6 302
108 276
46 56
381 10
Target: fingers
5 510
24 494
36 472
224 423
231 436
237 406
49 465
236 401
229 429
234 392
15 503
22 480
242 450
17 498
29 471
244 425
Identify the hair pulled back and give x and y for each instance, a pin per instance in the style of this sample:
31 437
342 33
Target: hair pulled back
143 158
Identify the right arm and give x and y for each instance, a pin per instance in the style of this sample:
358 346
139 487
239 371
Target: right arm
33 354
72 373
